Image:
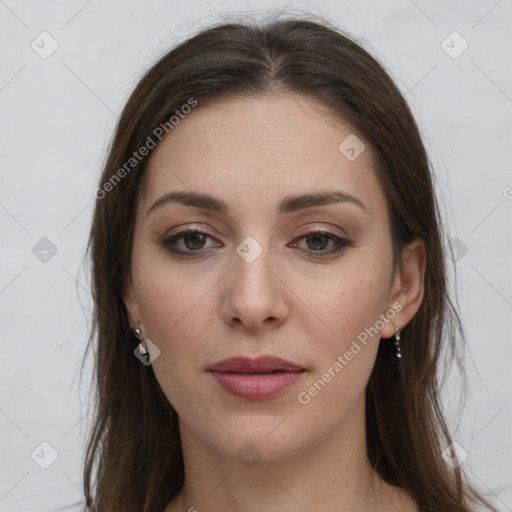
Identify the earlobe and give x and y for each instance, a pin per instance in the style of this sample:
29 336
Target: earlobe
130 302
408 287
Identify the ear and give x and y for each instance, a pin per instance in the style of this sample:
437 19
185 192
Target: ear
131 304
408 286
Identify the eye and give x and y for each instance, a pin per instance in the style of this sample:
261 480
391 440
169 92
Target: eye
193 241
319 241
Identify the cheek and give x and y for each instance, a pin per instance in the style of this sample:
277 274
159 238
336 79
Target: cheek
177 316
344 302
344 360
349 305
179 311
173 299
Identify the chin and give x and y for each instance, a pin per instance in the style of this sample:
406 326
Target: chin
265 439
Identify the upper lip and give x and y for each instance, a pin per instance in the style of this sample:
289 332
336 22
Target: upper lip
265 363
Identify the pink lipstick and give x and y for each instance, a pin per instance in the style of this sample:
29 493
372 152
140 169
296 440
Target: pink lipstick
256 379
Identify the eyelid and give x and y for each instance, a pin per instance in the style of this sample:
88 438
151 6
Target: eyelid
302 231
323 230
192 228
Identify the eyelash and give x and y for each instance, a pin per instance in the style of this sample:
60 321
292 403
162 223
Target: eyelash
342 243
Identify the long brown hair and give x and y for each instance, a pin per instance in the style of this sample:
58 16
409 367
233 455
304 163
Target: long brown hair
133 459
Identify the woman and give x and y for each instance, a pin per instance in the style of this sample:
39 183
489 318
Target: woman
271 301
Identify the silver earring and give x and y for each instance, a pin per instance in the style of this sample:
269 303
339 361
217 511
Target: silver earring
143 347
397 343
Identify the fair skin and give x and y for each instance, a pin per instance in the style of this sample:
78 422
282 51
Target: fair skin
251 153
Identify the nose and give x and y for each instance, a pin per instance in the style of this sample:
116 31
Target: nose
256 297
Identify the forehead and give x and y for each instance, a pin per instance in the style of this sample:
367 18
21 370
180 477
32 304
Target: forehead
256 147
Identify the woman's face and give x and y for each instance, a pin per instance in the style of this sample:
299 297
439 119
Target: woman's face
256 280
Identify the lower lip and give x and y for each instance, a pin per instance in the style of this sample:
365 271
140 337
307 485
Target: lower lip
257 386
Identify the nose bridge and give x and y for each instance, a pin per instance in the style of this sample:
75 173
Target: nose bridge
254 292
252 263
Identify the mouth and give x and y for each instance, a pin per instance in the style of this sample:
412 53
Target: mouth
263 364
256 379
257 373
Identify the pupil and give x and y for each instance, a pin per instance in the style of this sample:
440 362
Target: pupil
316 237
194 237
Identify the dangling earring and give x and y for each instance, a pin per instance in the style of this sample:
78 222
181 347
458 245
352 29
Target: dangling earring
143 347
397 343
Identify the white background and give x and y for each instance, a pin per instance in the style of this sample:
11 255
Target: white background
57 115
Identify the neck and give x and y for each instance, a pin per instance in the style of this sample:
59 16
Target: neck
332 474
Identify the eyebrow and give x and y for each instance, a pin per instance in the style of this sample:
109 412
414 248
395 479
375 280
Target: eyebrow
287 205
